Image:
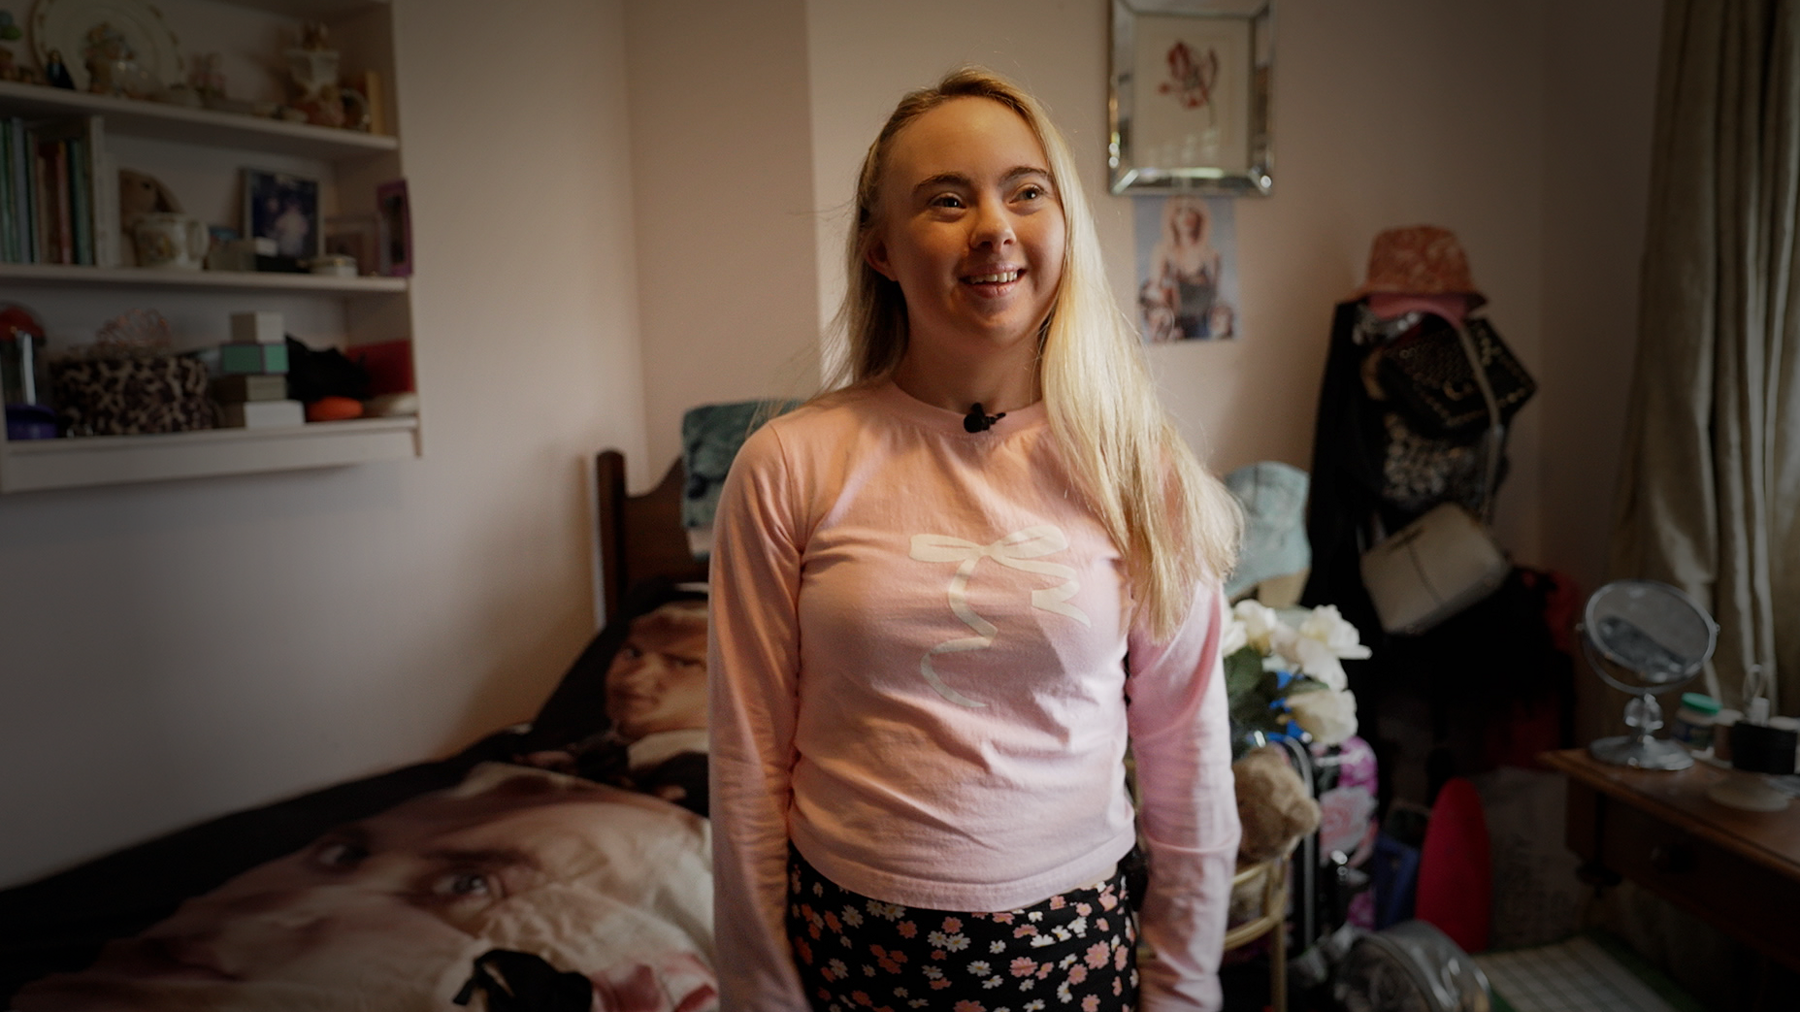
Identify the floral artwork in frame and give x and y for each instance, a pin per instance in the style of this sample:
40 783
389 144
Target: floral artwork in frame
1189 108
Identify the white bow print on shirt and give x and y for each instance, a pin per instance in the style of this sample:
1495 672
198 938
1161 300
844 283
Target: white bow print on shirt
1015 551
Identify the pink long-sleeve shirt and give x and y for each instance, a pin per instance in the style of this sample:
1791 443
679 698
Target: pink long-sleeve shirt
922 651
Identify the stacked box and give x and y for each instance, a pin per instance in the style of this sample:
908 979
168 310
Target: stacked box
251 382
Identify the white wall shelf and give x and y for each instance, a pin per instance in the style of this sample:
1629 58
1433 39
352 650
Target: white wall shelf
62 275
316 9
38 465
160 121
199 154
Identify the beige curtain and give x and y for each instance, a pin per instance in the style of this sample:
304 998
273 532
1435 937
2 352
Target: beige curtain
1709 493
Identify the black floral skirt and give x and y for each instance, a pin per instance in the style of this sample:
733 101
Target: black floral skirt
1074 951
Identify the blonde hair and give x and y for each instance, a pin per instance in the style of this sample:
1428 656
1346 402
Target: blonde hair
1174 523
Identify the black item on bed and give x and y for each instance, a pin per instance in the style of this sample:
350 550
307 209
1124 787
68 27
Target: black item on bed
59 924
523 982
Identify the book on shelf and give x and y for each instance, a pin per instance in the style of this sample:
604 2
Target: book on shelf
23 203
53 201
58 192
81 200
9 228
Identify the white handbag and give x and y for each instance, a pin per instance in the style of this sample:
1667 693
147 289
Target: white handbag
1432 568
1446 560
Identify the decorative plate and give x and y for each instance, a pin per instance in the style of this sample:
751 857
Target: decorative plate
63 25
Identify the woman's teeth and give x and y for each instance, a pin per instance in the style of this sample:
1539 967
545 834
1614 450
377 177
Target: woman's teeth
993 279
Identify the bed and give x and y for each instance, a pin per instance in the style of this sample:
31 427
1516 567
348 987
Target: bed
556 865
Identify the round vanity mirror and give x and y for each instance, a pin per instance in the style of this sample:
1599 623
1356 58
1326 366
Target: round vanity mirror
1645 638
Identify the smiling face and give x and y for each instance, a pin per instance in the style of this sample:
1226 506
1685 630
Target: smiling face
971 228
657 680
1190 224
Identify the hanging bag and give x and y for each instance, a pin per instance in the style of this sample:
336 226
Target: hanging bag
1446 560
1434 376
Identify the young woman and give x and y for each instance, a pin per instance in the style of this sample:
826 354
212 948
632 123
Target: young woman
944 598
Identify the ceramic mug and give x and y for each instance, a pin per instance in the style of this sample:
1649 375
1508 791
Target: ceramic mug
178 241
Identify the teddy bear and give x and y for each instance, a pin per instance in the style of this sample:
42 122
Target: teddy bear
1273 804
1275 811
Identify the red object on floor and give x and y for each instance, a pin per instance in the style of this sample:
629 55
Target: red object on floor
1456 878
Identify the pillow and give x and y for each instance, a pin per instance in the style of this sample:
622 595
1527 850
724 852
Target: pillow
710 437
576 709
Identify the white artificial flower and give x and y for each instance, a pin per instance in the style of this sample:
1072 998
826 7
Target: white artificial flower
1260 623
1327 626
1236 638
1289 651
1329 716
1316 660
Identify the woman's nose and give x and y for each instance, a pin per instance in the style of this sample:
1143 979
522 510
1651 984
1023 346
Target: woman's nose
993 225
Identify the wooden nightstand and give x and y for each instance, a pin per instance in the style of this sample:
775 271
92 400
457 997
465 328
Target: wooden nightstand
1740 871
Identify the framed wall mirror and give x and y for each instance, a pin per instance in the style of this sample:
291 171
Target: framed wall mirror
1189 102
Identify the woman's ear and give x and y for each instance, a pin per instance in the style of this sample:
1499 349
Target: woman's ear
875 254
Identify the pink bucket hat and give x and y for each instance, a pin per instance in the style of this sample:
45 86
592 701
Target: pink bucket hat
1419 260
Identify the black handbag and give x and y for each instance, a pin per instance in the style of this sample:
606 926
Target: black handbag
1427 375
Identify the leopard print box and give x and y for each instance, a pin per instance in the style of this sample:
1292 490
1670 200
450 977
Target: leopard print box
131 395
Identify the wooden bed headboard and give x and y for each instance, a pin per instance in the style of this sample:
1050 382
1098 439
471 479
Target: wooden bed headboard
641 536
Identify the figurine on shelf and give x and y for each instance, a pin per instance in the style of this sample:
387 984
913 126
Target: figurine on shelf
207 76
112 65
140 196
314 68
9 29
10 67
56 73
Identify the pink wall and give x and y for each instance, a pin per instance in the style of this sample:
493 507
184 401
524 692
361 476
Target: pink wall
723 199
1521 124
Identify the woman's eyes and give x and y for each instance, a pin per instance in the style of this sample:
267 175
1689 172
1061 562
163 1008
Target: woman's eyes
1028 192
460 885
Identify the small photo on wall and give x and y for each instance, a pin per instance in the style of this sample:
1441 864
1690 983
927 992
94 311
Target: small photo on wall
284 208
1186 268
394 213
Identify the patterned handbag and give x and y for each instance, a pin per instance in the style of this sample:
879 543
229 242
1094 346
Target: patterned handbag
1426 374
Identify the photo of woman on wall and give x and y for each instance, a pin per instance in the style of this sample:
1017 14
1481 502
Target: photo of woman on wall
1182 292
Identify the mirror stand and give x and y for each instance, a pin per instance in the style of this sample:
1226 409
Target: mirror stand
1643 637
1642 749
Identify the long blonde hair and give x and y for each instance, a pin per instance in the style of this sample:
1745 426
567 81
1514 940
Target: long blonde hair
1174 523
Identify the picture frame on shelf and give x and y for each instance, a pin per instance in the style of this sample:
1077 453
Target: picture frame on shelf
355 236
1189 105
284 208
393 212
